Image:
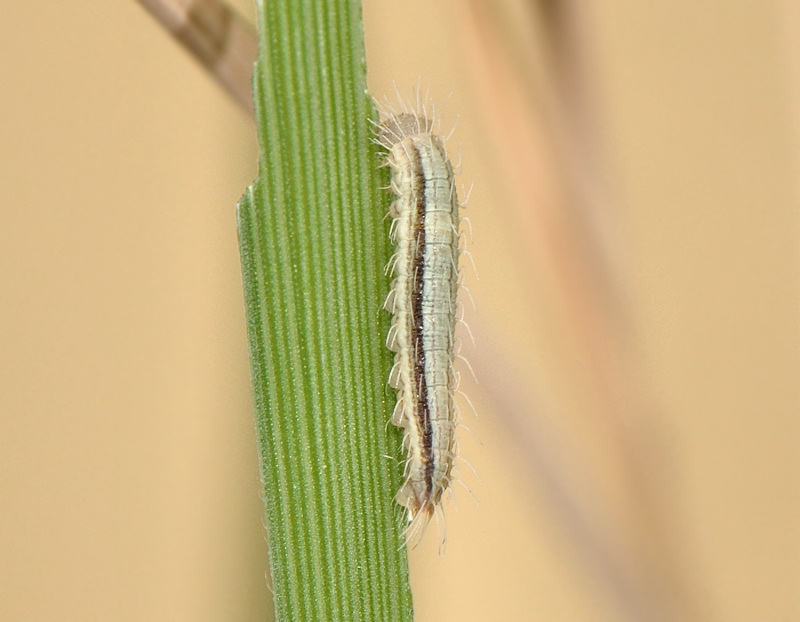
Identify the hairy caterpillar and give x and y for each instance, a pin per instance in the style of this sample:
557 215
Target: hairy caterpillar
423 296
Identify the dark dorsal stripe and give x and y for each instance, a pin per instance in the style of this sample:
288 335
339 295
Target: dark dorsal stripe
418 277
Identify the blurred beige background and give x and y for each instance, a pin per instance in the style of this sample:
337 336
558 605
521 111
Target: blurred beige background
128 476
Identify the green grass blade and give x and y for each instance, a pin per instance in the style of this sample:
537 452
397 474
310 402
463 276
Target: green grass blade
314 242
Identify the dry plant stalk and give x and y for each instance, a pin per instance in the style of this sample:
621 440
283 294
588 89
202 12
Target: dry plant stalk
217 36
530 71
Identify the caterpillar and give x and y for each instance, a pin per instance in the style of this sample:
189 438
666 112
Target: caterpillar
422 300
